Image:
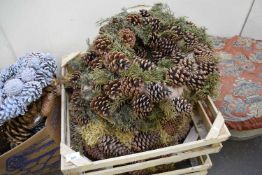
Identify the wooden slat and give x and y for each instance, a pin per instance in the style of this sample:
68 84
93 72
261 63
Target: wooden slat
68 58
192 135
160 161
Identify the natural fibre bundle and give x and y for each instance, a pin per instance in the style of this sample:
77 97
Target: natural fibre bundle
137 84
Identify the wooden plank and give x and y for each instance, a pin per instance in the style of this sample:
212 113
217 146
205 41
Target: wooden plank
216 127
160 161
199 126
192 135
118 161
68 58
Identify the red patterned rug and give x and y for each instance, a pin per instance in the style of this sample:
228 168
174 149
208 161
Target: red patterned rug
240 98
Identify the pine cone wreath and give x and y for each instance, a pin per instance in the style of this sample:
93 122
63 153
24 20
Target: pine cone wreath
117 61
144 64
134 19
111 147
178 76
131 86
113 89
157 92
144 141
146 60
181 105
102 44
127 36
142 105
101 105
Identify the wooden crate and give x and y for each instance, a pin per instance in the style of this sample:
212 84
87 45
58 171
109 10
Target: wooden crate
204 138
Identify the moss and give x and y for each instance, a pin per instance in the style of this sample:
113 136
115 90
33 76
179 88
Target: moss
124 137
167 107
100 76
93 131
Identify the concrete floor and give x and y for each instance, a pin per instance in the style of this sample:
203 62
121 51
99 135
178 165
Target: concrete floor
238 158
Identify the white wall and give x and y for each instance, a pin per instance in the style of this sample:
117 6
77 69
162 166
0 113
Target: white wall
62 26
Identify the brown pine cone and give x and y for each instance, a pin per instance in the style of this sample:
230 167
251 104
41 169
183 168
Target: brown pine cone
197 80
153 22
141 52
111 147
157 92
178 75
101 105
170 126
102 44
113 89
134 19
181 105
128 37
203 52
144 141
117 61
77 109
142 105
190 39
144 64
131 86
144 13
206 68
93 153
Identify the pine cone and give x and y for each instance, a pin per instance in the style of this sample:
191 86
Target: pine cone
177 55
190 39
141 52
144 13
157 92
207 68
203 52
145 141
157 56
5 145
177 127
102 44
101 105
113 89
93 153
128 37
116 61
134 19
170 126
131 86
142 105
88 57
73 81
197 80
154 22
77 109
181 105
178 76
177 30
144 64
189 64
112 147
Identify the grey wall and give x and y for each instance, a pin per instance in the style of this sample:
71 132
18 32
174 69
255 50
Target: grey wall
62 26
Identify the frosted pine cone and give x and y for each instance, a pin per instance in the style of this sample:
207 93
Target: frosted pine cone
102 44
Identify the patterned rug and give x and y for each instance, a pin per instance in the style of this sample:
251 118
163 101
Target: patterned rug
240 99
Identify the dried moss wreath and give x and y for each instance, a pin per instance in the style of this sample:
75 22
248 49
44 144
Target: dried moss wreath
135 87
